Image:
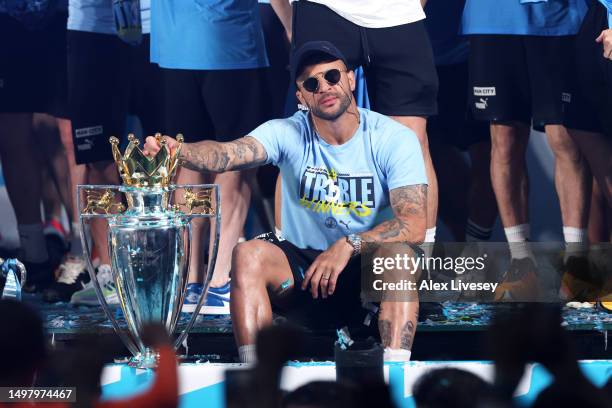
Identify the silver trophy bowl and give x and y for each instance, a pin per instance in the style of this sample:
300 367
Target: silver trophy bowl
149 239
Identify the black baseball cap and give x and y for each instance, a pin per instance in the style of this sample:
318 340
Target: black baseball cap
310 48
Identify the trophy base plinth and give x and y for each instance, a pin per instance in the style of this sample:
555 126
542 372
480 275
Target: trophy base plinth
146 360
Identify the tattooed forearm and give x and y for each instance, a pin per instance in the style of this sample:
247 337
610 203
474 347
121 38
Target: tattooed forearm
410 208
217 157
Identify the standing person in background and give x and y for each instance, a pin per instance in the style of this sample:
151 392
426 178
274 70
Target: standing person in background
108 78
389 40
594 74
28 76
213 59
521 58
467 202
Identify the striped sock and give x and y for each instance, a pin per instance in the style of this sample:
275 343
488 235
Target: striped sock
477 233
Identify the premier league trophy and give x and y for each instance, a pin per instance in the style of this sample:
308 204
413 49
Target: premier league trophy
149 223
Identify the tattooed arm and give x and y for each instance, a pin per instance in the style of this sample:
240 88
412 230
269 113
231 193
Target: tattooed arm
243 153
409 205
216 157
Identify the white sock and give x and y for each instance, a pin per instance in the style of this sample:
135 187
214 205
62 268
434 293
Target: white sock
401 355
278 232
576 241
476 233
247 354
428 243
33 242
518 238
430 234
517 233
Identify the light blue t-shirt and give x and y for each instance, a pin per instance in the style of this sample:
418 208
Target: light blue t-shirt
96 16
330 191
207 34
608 5
515 17
443 24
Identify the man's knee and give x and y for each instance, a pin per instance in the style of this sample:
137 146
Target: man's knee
247 260
562 145
506 148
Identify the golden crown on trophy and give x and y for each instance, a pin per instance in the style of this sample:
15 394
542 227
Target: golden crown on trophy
138 170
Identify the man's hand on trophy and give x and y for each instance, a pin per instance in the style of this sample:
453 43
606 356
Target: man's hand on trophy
153 145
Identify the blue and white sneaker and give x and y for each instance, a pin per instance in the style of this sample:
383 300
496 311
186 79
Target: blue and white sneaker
217 300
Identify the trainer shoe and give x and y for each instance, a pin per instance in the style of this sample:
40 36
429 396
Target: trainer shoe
88 297
217 299
519 283
580 281
72 276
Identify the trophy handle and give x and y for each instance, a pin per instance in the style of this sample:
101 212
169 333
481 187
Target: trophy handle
212 260
127 339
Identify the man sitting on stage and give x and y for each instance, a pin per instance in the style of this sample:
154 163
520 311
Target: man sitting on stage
340 167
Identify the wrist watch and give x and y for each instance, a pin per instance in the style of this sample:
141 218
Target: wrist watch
355 241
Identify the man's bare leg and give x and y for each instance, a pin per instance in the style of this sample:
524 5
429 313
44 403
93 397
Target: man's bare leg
198 228
597 150
511 184
573 185
481 198
47 134
23 183
257 266
101 173
509 171
235 198
77 175
397 324
419 126
399 312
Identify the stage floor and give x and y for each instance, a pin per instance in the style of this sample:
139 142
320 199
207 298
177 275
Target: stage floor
204 385
447 331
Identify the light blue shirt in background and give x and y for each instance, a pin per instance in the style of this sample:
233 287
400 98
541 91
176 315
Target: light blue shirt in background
330 191
207 34
545 18
96 16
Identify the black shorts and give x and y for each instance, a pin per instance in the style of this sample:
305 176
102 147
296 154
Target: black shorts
33 67
342 308
521 78
593 104
454 124
398 61
107 80
220 105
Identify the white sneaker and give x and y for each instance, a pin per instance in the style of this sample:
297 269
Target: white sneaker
88 297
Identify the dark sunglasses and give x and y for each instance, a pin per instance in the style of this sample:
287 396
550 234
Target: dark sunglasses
332 77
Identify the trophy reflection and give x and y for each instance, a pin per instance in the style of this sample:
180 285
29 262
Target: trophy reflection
149 221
